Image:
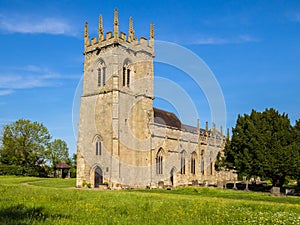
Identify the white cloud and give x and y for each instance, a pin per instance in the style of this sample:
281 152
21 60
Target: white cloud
5 92
213 40
209 41
30 76
244 38
30 25
13 81
33 68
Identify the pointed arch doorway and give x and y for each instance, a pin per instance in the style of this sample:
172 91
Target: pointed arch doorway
98 177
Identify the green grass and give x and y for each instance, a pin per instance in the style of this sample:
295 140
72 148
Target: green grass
28 200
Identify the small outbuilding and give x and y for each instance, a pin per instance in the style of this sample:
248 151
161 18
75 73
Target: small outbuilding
62 170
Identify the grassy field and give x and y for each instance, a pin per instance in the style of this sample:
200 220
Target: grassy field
29 200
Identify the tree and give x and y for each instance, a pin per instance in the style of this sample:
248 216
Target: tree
262 145
296 165
73 164
59 151
25 147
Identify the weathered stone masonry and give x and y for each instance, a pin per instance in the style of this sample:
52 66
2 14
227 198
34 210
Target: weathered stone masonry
122 139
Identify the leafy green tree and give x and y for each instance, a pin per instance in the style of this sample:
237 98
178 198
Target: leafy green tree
218 163
296 165
59 151
262 145
25 147
73 164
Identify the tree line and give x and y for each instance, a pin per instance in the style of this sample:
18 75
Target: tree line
26 148
264 144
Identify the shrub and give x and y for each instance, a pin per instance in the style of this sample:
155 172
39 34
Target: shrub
85 184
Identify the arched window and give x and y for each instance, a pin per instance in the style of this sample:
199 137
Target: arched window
182 162
98 147
126 73
101 72
104 76
124 76
202 162
159 162
128 77
99 77
193 163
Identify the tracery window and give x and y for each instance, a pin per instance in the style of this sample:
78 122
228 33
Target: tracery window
104 76
98 147
126 73
193 163
98 144
159 162
99 77
124 76
128 77
101 73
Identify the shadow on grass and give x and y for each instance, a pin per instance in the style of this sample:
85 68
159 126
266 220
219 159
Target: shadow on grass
22 214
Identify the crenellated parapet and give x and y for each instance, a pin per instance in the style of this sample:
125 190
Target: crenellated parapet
117 37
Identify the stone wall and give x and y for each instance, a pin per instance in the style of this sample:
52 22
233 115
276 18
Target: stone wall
116 111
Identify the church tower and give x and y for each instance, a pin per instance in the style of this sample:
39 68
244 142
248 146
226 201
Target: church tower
116 106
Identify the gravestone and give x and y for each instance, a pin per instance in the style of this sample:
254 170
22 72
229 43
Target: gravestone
195 183
289 191
160 184
275 191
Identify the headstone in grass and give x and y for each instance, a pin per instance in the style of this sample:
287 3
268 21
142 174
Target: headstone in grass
289 191
275 191
195 183
220 184
160 184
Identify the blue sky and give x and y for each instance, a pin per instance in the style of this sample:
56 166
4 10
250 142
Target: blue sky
252 47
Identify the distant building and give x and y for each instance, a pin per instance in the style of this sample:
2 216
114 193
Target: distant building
62 170
122 139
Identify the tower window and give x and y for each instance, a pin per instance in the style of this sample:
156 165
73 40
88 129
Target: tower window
98 147
99 77
128 77
127 68
104 76
124 76
101 73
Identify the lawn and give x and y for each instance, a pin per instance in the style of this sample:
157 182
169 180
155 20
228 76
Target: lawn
29 200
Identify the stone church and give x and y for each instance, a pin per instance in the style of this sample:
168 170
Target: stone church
122 139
